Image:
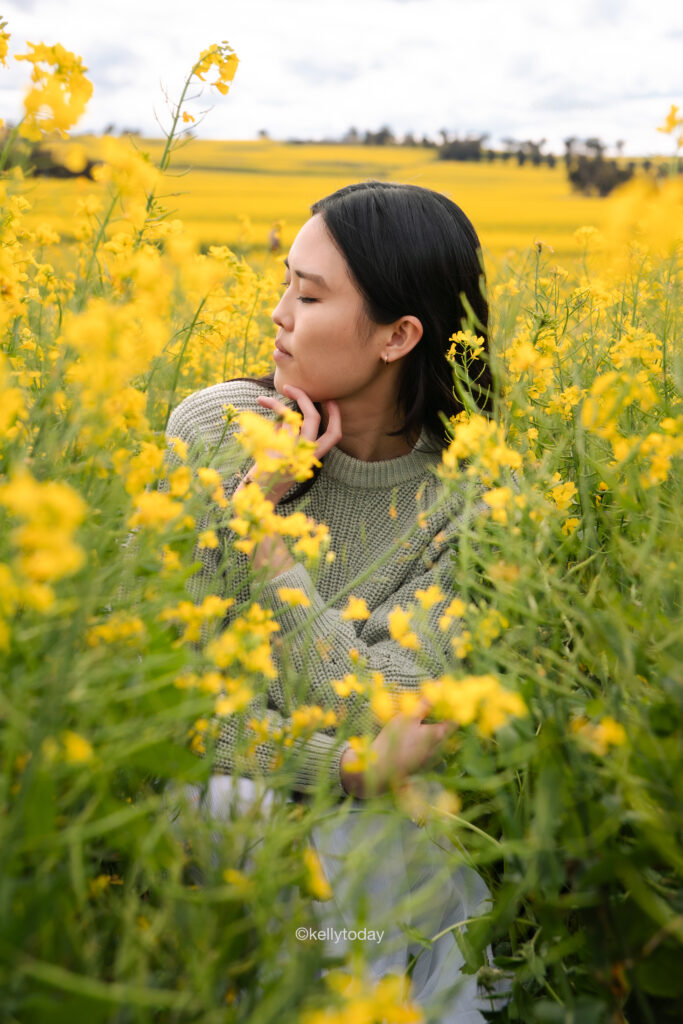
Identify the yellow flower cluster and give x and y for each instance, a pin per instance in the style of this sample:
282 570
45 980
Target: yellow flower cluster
478 699
194 616
481 443
222 57
246 643
316 883
44 549
400 628
367 1001
119 628
276 449
306 719
73 749
256 519
4 44
60 91
599 736
363 757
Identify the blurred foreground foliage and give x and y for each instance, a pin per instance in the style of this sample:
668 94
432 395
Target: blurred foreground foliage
119 901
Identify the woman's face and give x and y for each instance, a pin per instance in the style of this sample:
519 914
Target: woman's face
325 345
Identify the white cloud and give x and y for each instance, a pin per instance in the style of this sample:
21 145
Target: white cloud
309 69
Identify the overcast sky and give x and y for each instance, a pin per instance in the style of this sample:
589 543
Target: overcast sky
312 68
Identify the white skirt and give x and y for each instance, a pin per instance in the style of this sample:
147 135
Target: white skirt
389 878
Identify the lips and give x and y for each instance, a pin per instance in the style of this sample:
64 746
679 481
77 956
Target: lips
281 347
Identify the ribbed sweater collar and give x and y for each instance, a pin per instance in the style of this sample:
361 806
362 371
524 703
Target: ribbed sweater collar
337 465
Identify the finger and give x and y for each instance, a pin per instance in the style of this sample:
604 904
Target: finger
333 432
334 426
422 709
311 423
272 403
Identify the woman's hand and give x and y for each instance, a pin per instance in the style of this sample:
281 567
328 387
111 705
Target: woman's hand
403 746
277 486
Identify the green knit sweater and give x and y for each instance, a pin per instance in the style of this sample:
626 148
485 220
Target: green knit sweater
389 541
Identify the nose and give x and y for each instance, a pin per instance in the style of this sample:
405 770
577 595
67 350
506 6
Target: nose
281 315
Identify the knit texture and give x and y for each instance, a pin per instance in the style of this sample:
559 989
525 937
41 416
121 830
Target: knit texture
392 527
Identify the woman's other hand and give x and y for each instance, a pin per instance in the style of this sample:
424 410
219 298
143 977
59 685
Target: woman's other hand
404 746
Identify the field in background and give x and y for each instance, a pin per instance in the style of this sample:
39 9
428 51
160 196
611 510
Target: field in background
231 193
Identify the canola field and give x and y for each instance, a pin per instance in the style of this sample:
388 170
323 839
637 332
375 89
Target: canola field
231 193
123 902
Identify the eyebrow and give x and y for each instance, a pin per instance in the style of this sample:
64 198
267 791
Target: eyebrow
316 278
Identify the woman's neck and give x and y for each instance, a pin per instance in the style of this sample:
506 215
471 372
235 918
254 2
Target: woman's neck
369 436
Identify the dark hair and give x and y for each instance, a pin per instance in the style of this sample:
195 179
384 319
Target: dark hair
412 251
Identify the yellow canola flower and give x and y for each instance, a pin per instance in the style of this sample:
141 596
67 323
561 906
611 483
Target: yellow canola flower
429 597
497 499
60 91
77 749
141 469
601 736
348 685
473 699
180 481
294 596
49 512
222 57
155 510
276 449
482 442
118 628
308 718
672 121
194 616
455 610
246 643
237 700
368 1001
400 628
356 608
208 539
4 42
316 882
563 494
363 755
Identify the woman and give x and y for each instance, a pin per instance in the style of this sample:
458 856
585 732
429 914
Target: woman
377 282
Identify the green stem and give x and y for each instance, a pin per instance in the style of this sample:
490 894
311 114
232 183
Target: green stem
101 991
186 342
246 331
98 242
8 145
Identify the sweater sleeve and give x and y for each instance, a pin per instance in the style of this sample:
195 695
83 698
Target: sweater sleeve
314 757
199 422
326 648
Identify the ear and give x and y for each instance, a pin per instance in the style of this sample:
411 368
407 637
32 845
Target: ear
404 336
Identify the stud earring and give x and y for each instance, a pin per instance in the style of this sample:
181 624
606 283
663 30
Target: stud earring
385 357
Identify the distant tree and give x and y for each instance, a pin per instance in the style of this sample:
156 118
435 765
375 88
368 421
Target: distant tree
352 137
467 149
263 133
569 145
384 137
